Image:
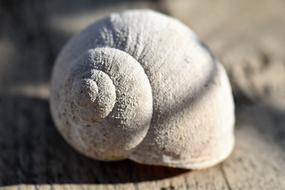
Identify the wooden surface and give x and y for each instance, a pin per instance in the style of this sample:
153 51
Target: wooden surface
247 36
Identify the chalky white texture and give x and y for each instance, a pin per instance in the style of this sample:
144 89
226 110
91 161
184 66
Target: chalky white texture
140 85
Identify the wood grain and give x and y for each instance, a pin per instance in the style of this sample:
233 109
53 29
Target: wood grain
33 155
33 152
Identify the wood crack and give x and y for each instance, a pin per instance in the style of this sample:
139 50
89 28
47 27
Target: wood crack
225 177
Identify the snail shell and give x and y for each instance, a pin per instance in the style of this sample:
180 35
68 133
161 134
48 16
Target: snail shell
140 85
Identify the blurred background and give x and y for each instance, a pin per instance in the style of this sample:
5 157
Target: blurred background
247 36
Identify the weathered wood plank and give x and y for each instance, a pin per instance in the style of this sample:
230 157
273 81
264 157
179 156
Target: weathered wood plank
247 36
32 152
259 159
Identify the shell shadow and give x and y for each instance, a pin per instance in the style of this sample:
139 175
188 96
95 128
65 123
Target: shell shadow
33 152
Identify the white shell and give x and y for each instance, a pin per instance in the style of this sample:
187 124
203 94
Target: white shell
140 85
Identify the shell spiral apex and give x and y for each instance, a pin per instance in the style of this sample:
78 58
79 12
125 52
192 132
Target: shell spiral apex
140 85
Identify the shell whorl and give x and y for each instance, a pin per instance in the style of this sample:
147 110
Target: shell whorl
92 96
108 94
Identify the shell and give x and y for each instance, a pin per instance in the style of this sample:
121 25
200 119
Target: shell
141 85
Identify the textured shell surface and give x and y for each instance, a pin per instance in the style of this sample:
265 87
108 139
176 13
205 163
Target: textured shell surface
141 85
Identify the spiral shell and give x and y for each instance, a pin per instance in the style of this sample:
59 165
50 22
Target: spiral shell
140 85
